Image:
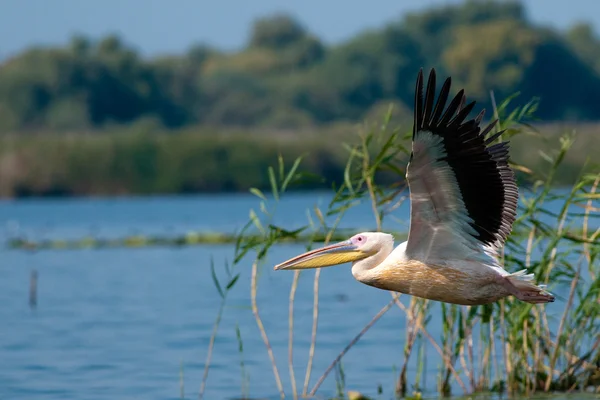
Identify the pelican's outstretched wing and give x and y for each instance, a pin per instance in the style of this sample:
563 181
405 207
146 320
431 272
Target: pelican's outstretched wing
462 191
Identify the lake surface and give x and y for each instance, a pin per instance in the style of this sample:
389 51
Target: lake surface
130 323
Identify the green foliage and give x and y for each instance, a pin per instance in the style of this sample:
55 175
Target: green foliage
287 78
582 39
143 158
276 32
434 28
136 162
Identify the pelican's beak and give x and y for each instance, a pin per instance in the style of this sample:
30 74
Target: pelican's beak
327 256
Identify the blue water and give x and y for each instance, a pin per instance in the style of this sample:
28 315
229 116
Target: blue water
135 323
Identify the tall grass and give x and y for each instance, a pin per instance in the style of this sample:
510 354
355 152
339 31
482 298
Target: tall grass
139 160
506 347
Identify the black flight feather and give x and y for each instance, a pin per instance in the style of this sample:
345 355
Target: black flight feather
486 182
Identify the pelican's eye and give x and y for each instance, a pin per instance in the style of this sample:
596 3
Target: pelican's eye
359 239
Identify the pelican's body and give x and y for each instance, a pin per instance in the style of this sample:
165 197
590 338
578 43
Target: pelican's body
467 282
463 204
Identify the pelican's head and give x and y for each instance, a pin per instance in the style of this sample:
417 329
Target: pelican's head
357 248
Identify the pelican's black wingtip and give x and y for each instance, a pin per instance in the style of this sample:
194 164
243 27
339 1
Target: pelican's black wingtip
432 74
428 112
477 165
429 96
418 105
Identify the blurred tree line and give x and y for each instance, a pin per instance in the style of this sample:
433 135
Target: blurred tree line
286 77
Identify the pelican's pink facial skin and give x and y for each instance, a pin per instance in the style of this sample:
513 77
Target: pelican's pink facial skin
358 240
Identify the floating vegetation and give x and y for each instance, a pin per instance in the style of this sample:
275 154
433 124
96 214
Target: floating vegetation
189 239
206 238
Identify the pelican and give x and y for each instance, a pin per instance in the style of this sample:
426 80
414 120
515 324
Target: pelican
463 199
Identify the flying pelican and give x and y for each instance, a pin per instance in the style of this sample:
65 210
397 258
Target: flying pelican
463 199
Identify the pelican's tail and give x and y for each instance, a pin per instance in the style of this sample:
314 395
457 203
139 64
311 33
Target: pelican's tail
527 290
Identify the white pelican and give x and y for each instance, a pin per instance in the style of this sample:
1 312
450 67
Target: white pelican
463 199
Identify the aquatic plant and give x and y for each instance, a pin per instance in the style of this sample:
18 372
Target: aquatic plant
506 347
199 159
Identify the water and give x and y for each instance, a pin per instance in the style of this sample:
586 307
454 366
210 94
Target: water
126 323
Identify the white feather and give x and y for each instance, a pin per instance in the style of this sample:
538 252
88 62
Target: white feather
439 223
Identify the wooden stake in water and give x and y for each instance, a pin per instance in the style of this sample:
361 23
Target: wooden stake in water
33 289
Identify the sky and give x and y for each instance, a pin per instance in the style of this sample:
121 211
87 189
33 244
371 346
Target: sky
157 27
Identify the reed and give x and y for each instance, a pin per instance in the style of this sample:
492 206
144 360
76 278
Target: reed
137 160
223 292
508 347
